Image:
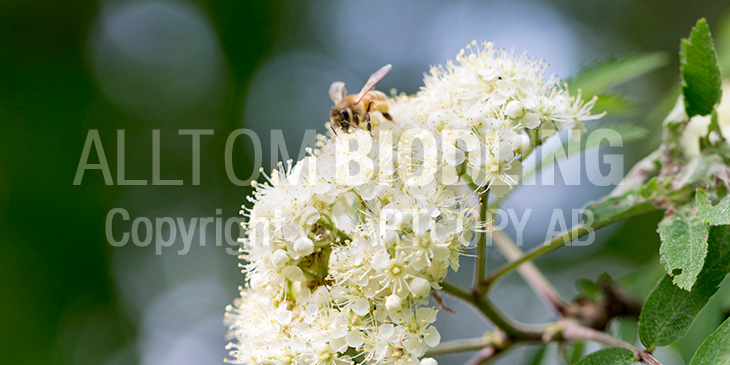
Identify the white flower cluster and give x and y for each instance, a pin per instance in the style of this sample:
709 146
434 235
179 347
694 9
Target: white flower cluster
340 258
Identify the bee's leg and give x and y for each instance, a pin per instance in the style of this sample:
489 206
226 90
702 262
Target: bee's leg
367 116
333 129
382 107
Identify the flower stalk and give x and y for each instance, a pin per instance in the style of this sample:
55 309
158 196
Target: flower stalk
481 251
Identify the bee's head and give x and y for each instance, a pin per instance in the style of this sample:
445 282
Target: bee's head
341 118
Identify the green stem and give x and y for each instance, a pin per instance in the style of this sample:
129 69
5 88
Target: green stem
511 328
488 354
549 246
481 264
329 223
457 291
456 346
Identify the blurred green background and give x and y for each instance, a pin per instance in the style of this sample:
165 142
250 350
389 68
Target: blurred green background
67 67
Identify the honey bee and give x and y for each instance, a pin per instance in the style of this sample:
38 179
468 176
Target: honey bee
351 110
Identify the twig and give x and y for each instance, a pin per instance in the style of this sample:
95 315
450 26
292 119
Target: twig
565 330
456 346
489 345
572 331
440 302
486 354
531 273
511 328
481 264
513 331
557 242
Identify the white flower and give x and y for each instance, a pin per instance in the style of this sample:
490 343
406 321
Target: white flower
494 173
339 260
393 274
418 333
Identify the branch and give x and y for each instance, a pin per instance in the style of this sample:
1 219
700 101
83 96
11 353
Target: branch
479 296
486 354
539 283
511 328
456 346
515 332
494 344
489 345
549 246
575 332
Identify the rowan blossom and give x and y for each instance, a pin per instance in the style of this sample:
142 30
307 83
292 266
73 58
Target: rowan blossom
343 247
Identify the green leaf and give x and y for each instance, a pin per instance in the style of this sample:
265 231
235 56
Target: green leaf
714 215
701 79
715 350
600 77
669 311
684 245
609 356
590 139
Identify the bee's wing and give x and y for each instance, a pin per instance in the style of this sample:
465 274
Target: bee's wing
338 91
374 79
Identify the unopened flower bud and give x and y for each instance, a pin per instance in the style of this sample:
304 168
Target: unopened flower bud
429 361
303 246
280 258
393 303
420 287
521 142
515 109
